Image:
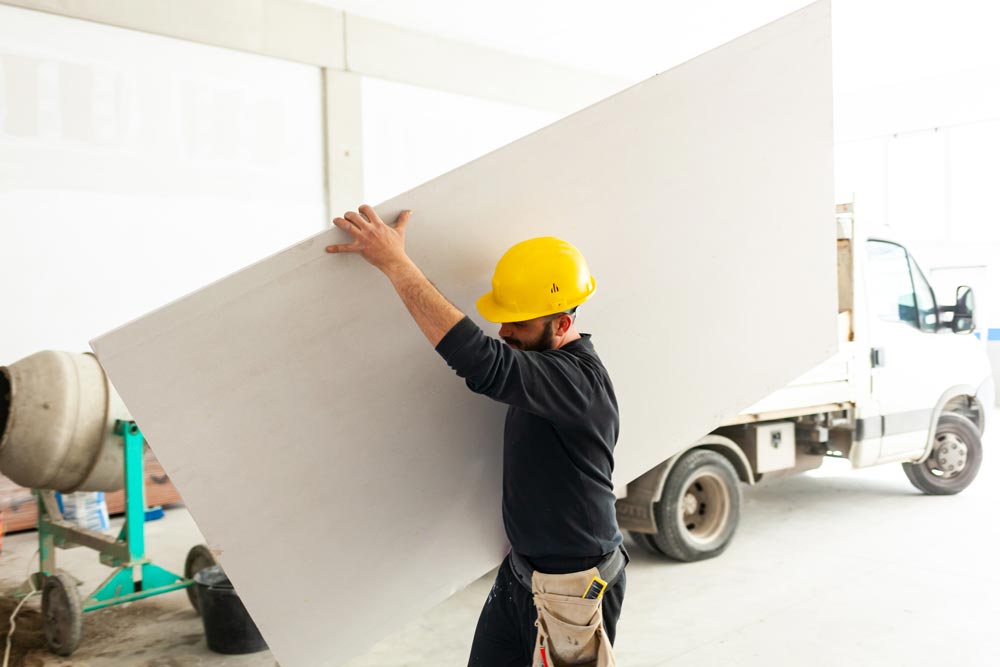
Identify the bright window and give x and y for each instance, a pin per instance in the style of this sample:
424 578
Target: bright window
136 168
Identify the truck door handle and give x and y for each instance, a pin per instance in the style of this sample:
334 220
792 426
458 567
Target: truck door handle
878 357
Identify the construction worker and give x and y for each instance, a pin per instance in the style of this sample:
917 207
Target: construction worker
561 428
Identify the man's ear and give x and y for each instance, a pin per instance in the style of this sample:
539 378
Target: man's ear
565 322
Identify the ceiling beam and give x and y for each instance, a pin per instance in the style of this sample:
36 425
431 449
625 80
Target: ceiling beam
318 35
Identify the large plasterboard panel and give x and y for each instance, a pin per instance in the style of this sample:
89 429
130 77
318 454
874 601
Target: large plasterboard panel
351 480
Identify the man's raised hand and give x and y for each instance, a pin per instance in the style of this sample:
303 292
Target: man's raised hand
381 245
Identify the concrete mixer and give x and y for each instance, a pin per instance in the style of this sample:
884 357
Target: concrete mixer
63 428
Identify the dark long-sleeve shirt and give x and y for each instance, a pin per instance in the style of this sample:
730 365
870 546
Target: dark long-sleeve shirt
559 440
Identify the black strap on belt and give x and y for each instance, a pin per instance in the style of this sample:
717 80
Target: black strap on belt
610 567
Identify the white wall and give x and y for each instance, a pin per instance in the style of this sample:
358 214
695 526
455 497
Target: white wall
936 190
127 161
114 143
918 134
412 134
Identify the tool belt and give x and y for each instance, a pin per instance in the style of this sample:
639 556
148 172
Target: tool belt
570 626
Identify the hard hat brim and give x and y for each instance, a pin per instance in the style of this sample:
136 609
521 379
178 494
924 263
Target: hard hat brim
494 312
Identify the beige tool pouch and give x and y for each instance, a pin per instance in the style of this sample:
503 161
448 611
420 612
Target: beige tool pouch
570 627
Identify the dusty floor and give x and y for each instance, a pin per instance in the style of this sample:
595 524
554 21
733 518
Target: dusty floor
836 568
162 631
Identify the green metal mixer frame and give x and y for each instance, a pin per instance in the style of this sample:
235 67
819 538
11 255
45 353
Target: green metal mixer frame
134 575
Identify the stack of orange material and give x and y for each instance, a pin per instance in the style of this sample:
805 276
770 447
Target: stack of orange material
18 510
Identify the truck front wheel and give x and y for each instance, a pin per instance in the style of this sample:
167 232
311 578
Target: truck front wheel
954 461
700 507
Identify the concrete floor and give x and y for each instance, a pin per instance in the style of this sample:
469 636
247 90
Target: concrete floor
837 567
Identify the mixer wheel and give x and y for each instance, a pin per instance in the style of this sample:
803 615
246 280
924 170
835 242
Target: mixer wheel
198 559
62 614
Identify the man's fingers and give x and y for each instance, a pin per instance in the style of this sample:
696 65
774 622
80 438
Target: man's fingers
345 225
369 214
401 221
344 247
357 220
350 229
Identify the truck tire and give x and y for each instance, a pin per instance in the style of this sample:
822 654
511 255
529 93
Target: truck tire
699 510
953 463
646 543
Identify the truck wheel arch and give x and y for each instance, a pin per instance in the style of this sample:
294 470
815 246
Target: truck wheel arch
647 489
960 400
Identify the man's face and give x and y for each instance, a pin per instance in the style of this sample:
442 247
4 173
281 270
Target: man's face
535 335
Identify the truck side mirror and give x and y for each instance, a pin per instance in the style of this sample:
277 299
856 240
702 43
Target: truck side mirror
964 319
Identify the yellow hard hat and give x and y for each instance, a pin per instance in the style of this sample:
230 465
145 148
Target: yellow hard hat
537 277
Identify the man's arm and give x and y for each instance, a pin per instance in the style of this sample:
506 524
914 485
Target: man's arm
383 247
432 312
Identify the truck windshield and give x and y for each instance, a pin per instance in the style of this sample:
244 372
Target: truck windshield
926 303
898 290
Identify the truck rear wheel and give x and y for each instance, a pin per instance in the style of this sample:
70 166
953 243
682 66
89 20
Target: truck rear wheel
646 543
953 463
700 507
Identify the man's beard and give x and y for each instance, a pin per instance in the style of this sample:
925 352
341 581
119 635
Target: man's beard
544 342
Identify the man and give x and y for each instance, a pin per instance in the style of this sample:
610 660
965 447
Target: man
560 432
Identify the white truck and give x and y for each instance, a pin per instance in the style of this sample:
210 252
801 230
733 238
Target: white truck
910 384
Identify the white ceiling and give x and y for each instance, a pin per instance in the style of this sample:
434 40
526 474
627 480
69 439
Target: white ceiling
877 42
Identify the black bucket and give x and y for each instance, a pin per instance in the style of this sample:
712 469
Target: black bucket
228 627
